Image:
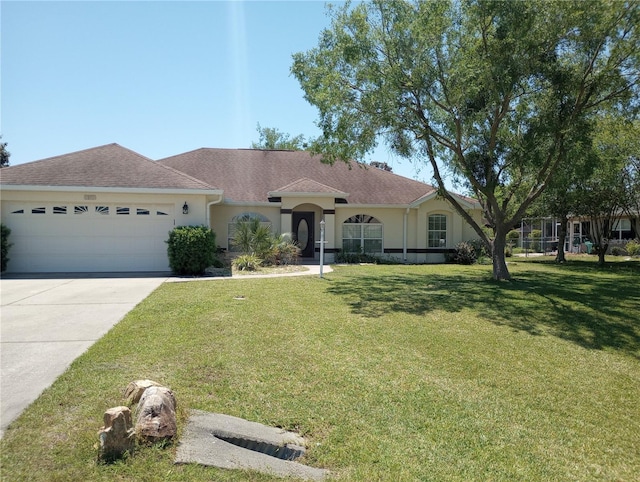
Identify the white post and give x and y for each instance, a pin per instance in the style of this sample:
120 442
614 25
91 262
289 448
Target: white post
322 226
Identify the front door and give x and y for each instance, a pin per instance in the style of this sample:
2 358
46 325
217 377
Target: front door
303 232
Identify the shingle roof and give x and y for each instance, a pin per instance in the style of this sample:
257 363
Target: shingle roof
111 166
249 175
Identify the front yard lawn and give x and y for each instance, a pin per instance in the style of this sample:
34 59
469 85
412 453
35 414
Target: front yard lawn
391 372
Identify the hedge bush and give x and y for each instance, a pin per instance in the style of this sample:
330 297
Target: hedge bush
633 248
191 249
4 245
465 253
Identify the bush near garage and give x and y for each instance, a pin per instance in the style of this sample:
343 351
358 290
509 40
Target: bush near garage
191 249
4 245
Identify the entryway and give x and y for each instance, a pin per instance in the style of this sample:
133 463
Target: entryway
303 233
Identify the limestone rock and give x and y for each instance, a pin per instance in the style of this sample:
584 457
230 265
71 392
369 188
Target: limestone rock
156 415
135 389
117 436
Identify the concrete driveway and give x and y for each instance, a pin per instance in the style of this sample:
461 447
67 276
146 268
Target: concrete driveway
48 322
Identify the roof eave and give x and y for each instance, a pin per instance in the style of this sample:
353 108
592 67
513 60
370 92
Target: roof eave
127 190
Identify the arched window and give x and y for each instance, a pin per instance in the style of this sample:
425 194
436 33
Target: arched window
362 233
243 217
437 231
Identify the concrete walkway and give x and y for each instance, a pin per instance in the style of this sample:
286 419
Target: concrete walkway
47 321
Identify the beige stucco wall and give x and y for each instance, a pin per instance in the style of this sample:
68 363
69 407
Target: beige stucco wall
392 219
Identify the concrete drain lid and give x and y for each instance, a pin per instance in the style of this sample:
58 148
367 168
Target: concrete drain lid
229 442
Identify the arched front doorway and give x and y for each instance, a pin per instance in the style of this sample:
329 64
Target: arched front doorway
302 223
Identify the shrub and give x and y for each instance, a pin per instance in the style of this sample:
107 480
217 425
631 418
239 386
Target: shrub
256 239
355 257
633 248
4 245
616 251
247 262
191 250
464 253
513 236
253 237
479 247
284 252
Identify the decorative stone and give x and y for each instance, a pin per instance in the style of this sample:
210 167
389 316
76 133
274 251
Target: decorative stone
135 389
117 436
156 415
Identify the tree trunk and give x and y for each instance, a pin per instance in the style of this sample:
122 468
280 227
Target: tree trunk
500 271
562 236
602 249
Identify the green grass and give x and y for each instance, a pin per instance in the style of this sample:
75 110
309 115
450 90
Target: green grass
392 372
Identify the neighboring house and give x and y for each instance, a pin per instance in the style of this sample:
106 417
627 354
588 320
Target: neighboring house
110 209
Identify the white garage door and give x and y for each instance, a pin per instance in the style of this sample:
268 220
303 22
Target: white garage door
88 237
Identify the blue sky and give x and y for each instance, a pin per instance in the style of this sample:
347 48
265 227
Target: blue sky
158 77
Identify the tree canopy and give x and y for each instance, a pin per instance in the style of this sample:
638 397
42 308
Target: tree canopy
4 154
272 139
494 93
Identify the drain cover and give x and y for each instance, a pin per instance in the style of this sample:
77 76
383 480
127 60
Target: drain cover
233 443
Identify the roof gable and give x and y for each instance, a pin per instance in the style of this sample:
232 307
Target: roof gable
305 186
110 166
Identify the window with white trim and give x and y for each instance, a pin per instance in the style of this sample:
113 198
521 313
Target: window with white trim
362 233
437 231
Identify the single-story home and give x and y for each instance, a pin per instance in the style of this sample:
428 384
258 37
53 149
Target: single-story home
110 209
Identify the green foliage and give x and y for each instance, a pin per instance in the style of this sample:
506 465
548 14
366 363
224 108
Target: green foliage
633 248
191 249
247 262
4 154
498 92
254 238
479 247
4 246
465 253
345 257
273 139
283 252
616 251
513 235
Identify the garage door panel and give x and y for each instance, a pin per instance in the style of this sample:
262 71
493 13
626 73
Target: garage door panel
88 242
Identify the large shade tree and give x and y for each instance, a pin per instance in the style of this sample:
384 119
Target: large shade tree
493 92
601 197
629 136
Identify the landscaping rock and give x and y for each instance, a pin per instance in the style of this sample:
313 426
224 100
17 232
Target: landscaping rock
156 415
117 436
135 389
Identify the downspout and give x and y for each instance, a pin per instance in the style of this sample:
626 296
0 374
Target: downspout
404 235
209 209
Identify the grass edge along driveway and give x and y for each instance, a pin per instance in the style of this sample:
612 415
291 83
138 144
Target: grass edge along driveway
391 372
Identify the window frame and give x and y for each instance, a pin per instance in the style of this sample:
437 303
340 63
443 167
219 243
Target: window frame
437 229
360 223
